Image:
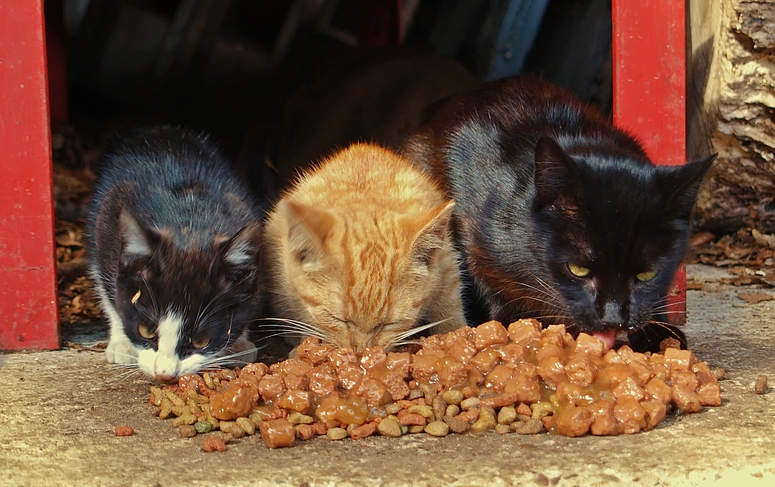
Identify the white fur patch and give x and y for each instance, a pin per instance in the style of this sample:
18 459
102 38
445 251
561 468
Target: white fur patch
164 363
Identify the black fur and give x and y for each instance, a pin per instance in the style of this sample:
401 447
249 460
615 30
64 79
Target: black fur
170 220
541 181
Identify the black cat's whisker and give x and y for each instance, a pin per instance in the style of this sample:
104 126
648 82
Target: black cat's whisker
225 305
150 294
406 342
665 326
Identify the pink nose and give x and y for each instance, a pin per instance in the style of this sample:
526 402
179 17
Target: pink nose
165 377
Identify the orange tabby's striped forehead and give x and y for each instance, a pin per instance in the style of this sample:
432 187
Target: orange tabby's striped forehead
368 174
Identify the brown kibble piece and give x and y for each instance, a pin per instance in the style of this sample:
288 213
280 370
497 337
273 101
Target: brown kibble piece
761 387
456 425
363 431
187 431
213 443
529 427
124 431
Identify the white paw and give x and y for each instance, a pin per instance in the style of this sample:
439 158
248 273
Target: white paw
121 352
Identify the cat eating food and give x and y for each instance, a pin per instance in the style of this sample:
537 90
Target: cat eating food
559 215
359 253
175 243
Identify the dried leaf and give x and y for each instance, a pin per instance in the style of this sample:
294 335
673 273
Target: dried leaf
693 285
701 238
755 297
762 239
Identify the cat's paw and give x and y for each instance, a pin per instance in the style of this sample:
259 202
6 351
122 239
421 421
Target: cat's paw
121 352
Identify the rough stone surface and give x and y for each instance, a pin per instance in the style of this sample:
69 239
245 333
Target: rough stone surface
59 409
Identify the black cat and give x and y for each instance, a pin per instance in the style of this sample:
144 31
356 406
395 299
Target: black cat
560 216
174 253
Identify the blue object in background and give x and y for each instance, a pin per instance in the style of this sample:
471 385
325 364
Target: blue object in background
521 22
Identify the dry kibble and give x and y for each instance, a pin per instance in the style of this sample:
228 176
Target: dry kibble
529 427
298 418
761 386
469 403
202 426
336 433
502 429
213 443
187 431
437 428
124 431
507 415
393 408
390 426
414 429
486 421
424 411
184 419
246 425
452 410
439 407
452 397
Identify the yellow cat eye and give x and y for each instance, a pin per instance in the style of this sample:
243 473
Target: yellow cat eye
578 271
646 276
200 342
146 331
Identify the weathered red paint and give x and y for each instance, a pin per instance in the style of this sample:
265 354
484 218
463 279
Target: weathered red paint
649 75
28 306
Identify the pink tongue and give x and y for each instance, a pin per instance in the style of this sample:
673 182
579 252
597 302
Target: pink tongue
608 338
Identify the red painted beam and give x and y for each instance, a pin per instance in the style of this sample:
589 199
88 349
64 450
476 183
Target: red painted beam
649 76
28 306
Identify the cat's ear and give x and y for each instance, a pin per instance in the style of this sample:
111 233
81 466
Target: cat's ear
243 248
681 183
429 229
555 175
137 241
307 226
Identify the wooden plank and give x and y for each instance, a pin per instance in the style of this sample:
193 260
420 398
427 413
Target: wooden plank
28 306
649 76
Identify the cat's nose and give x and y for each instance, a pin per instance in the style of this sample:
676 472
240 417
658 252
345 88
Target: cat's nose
165 377
614 316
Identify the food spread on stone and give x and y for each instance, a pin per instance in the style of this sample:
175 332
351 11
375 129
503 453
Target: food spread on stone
519 378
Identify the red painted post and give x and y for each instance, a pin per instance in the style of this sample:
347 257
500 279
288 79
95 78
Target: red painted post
28 306
649 75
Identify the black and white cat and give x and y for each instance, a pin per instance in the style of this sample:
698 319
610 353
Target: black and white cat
560 216
175 241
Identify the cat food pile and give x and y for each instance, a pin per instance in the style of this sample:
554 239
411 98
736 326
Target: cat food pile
523 379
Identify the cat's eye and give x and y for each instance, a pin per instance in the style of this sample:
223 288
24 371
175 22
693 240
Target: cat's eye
145 331
646 276
201 341
578 271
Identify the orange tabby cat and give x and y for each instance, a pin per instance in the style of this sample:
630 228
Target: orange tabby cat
359 253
